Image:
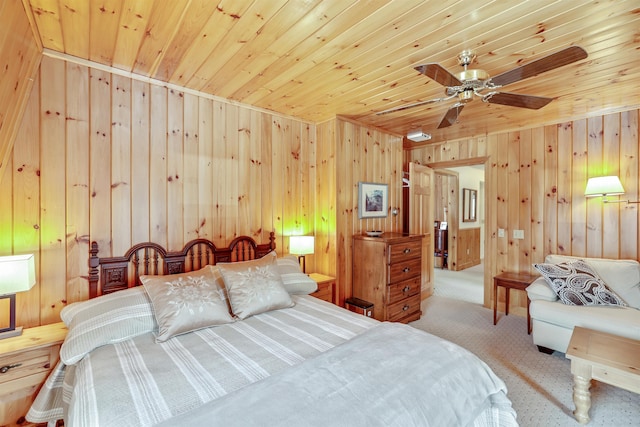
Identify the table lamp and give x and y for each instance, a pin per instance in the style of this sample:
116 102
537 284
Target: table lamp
301 246
17 274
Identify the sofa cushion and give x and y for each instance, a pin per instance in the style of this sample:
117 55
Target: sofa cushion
621 275
623 321
576 283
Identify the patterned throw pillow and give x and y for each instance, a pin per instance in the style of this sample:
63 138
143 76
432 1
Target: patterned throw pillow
576 283
254 286
186 302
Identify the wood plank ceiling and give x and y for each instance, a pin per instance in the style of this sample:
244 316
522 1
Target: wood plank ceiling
315 59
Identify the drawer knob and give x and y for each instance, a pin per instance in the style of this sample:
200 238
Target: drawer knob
5 368
406 270
405 308
407 250
406 289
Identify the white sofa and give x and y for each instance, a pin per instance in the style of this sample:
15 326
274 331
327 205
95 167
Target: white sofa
553 321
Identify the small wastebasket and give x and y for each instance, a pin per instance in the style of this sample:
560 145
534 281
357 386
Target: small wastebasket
359 306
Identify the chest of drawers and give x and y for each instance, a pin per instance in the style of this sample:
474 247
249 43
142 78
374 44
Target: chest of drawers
387 272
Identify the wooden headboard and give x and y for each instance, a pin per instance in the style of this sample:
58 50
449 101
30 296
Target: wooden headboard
116 273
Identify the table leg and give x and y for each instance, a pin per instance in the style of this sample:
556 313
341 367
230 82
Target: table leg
495 300
528 316
506 300
581 398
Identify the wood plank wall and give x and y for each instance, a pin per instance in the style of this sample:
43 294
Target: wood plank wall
361 154
18 64
119 160
535 181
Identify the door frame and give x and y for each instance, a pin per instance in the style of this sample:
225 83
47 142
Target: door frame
488 256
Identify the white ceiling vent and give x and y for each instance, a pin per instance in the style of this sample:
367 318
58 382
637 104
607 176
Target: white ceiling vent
418 136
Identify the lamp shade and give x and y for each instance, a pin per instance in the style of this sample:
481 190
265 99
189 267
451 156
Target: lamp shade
301 245
17 273
604 186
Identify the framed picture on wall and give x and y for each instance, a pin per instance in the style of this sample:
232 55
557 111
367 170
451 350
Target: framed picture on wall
372 200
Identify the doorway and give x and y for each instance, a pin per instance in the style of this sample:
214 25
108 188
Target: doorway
461 204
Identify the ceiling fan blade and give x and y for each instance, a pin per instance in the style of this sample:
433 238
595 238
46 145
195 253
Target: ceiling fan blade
415 104
451 116
439 74
548 63
517 100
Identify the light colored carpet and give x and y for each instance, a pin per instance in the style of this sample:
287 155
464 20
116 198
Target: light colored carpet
466 285
540 386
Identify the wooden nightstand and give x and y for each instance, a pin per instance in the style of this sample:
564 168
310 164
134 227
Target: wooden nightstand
510 281
27 361
326 287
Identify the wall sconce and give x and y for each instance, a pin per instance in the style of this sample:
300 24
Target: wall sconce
605 186
301 246
17 274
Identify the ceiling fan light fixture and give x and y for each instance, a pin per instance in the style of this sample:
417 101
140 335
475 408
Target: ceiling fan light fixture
418 136
473 76
465 96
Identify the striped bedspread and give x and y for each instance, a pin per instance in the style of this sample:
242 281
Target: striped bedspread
141 383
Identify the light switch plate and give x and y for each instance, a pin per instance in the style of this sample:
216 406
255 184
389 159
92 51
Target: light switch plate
500 232
518 234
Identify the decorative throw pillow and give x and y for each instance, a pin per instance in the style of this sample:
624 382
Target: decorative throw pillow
107 319
576 283
294 280
254 286
186 302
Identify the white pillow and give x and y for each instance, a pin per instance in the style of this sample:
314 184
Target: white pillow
186 302
540 290
294 280
254 286
107 319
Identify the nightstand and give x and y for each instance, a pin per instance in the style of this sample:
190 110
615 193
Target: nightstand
326 287
510 281
26 361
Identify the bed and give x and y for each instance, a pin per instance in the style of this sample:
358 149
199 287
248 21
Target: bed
231 337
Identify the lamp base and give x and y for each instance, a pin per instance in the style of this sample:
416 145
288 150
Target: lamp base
303 263
11 333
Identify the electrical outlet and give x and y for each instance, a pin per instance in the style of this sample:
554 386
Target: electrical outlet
500 232
518 234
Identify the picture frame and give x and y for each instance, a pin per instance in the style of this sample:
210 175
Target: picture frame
373 200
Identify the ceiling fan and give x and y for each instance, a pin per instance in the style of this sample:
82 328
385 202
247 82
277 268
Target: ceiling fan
465 84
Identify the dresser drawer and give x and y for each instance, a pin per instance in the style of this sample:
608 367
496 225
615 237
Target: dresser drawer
403 308
404 270
399 252
402 290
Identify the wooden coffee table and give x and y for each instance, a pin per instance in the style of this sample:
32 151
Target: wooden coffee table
604 357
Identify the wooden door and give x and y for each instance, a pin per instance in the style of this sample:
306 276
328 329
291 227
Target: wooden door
446 195
421 218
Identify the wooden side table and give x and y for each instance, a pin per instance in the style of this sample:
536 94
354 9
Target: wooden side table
326 287
510 281
25 363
